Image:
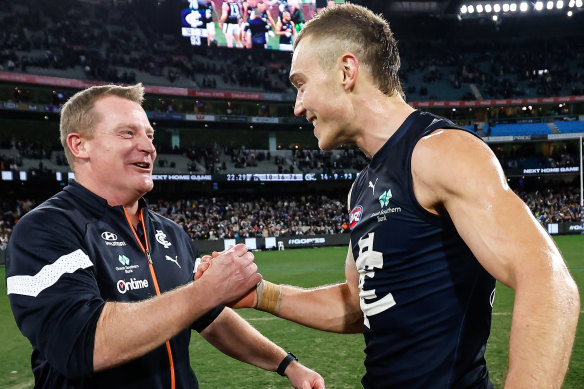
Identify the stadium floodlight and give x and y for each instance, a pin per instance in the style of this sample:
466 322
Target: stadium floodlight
497 8
513 7
488 8
539 6
523 7
579 3
505 7
560 4
463 9
569 14
571 4
470 9
550 5
495 18
479 8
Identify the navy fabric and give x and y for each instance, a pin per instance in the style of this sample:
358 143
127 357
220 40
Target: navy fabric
426 299
77 227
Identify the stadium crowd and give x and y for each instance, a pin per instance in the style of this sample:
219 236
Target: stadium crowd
61 35
226 217
214 159
554 205
50 36
221 159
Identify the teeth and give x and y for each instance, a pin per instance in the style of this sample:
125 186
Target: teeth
144 165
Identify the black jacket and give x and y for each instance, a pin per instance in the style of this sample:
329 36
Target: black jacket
69 256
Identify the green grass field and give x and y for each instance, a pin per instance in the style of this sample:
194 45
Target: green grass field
339 358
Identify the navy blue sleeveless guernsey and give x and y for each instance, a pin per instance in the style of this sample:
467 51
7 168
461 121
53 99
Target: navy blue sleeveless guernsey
426 300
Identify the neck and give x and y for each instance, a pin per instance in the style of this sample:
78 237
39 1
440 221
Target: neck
114 198
133 214
379 118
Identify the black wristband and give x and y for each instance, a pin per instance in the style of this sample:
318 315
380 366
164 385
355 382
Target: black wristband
285 362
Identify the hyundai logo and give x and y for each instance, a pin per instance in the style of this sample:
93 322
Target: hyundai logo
109 236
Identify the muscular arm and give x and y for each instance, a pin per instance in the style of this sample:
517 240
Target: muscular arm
237 338
457 174
333 308
129 330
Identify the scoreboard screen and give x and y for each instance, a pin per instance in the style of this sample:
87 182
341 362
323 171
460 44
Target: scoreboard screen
248 24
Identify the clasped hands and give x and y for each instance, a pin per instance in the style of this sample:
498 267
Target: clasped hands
236 271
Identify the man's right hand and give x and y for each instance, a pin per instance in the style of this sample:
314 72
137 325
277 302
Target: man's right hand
249 300
231 276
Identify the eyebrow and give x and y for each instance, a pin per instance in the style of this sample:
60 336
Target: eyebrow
133 126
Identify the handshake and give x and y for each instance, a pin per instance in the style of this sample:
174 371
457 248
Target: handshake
234 271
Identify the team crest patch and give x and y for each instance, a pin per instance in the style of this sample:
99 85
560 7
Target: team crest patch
355 216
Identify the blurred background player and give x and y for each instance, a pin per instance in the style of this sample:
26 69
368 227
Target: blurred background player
230 22
296 13
258 25
207 9
286 31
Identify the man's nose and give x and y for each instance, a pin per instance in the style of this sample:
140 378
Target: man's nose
299 109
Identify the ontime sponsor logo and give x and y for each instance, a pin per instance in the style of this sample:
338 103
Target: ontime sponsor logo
132 284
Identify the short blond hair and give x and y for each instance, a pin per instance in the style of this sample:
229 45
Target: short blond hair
354 28
77 113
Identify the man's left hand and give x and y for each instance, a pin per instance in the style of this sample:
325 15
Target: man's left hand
302 377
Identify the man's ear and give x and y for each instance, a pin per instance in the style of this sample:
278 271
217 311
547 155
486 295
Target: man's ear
350 67
77 145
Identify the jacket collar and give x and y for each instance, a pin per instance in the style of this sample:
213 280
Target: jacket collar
93 202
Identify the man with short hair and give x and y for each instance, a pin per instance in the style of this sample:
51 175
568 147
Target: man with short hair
230 21
433 224
103 287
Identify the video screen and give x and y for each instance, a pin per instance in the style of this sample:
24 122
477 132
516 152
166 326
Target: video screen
251 24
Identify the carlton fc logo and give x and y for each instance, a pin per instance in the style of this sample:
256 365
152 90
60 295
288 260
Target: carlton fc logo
355 216
161 238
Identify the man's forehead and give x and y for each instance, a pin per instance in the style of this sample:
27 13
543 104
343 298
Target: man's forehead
300 56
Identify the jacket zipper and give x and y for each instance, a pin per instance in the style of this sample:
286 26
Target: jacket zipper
146 252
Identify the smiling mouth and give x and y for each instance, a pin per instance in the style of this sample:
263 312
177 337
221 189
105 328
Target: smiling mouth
142 165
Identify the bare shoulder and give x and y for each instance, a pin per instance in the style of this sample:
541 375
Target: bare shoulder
449 146
449 163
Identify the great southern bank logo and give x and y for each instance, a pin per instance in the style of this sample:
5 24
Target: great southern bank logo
355 216
384 198
124 260
133 284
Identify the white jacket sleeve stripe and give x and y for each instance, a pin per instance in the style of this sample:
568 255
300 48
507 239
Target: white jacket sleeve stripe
48 275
